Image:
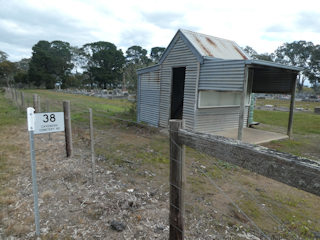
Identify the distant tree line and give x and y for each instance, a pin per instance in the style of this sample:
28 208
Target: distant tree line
102 65
94 65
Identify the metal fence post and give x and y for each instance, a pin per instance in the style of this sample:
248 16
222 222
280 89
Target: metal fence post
177 182
67 124
30 112
93 163
48 110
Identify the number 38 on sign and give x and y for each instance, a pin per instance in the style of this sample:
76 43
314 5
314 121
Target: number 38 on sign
46 122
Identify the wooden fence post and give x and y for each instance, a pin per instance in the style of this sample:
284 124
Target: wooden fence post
177 182
16 96
22 100
93 162
39 104
12 94
35 102
67 124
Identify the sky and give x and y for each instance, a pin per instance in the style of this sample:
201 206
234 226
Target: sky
263 25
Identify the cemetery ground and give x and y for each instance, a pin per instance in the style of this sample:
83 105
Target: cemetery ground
130 197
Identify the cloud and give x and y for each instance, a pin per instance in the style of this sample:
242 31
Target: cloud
163 19
125 23
23 26
308 21
276 28
135 37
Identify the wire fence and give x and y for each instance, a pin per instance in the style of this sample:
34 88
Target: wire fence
222 201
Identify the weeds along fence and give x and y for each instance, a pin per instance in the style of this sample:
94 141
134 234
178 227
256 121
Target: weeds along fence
292 170
218 188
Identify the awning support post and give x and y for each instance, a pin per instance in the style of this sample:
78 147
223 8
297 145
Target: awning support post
243 103
293 95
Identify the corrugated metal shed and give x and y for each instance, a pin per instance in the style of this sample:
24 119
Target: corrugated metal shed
211 65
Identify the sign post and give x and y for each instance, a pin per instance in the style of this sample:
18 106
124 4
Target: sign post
30 113
40 123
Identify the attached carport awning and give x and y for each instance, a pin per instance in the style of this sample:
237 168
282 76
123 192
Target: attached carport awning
270 77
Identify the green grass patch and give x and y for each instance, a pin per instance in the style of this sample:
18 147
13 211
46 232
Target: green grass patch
81 102
303 123
9 114
293 146
250 208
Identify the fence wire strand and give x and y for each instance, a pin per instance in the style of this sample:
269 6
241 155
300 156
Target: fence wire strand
79 110
243 190
224 194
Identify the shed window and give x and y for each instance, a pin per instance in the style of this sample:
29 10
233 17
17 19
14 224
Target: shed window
211 98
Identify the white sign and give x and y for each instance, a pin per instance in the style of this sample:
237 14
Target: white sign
48 122
30 117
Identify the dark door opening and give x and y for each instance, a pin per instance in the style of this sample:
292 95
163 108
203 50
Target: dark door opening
177 93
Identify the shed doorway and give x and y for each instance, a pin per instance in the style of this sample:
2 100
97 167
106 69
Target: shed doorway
177 93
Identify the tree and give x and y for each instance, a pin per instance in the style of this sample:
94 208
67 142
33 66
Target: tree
21 75
104 63
250 51
3 56
314 73
130 76
74 81
21 78
78 58
297 53
50 63
156 53
255 55
137 55
23 64
7 70
265 57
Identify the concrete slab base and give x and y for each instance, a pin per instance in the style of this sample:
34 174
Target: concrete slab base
253 136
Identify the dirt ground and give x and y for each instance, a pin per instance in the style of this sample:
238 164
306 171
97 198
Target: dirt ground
71 207
130 197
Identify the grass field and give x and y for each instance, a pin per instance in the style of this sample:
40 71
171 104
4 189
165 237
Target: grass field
286 103
306 132
141 156
10 116
80 103
304 123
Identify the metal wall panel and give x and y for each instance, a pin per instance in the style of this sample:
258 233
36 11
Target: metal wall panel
149 98
211 120
179 56
225 75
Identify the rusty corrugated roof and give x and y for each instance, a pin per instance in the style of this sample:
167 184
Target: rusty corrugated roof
214 47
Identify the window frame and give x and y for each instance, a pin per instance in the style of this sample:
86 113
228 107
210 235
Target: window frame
222 106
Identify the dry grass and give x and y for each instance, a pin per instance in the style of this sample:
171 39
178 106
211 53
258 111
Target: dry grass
136 158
